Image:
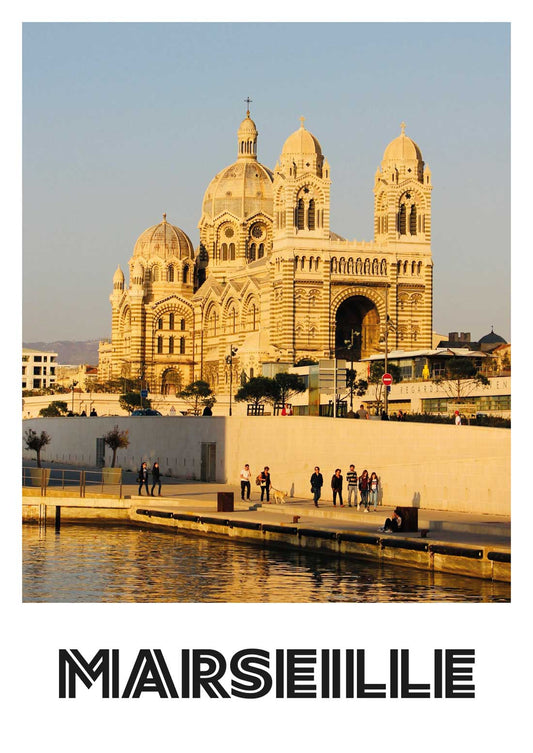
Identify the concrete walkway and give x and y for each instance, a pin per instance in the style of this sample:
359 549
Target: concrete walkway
201 498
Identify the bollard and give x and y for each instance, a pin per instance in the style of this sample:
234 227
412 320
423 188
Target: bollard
58 518
225 502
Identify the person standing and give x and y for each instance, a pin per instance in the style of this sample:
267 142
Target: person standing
142 478
156 478
245 481
374 488
264 481
362 412
351 483
364 488
317 482
336 485
457 418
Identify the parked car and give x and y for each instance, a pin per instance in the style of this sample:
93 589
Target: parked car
146 412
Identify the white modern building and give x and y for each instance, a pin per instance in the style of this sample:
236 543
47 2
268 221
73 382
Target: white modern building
38 369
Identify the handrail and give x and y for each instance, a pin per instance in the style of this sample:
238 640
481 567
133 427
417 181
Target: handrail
76 480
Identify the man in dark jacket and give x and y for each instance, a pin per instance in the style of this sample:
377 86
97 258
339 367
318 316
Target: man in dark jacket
317 482
156 478
336 485
143 478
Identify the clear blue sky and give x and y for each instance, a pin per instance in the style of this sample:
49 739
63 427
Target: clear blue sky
125 121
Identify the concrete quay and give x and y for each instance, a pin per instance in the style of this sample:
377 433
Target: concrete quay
461 543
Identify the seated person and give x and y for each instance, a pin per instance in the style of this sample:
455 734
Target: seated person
392 524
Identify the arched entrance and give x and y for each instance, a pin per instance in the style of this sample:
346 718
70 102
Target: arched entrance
171 382
360 314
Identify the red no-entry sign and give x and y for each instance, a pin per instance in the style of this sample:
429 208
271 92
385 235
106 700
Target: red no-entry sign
387 379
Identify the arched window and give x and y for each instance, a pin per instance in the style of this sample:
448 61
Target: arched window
413 267
412 220
185 274
402 215
182 345
155 274
182 323
296 260
252 252
300 215
171 321
232 251
261 251
170 274
159 344
171 345
311 260
224 252
160 323
311 215
419 270
302 263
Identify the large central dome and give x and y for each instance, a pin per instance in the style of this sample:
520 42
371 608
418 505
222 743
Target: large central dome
245 187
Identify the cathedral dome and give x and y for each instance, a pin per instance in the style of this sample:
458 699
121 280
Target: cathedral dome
402 149
244 189
492 338
163 240
302 141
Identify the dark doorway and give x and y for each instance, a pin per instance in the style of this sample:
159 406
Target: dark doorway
357 314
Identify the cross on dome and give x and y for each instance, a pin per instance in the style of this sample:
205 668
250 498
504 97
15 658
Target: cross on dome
248 100
402 126
302 119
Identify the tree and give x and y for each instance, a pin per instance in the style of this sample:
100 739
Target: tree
56 408
288 386
116 439
36 442
131 401
377 369
258 390
459 378
197 395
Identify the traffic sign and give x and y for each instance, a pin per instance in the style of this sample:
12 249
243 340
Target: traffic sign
144 393
387 379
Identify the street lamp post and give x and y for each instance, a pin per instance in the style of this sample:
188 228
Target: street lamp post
74 384
229 361
349 346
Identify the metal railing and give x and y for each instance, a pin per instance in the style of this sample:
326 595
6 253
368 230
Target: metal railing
77 482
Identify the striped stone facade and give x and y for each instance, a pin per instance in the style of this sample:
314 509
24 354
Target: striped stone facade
271 279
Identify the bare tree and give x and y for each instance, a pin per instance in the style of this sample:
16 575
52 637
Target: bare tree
36 442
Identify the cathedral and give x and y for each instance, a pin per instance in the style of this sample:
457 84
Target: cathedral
270 282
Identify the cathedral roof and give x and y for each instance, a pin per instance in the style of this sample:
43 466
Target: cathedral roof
402 149
492 338
164 240
302 141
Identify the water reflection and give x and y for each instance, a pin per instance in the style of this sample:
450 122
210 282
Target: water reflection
117 564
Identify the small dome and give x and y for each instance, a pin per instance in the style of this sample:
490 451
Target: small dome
163 240
118 277
492 338
402 149
247 127
302 141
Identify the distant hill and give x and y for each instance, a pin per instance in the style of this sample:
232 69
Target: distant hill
70 351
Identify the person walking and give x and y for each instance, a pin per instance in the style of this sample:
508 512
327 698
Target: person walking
156 478
364 487
264 482
245 481
374 488
351 483
317 482
336 485
142 478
